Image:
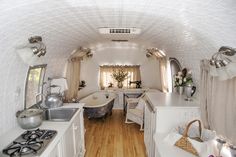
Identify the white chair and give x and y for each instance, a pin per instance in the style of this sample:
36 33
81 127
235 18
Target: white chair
135 111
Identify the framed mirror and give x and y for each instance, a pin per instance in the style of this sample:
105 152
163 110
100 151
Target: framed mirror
34 85
175 67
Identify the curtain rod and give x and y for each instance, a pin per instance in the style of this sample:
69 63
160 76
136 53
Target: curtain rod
119 65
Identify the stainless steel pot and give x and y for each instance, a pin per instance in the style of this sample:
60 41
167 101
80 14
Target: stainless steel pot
30 118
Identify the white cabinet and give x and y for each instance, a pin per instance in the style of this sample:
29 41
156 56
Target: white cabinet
71 143
162 113
73 139
56 152
78 135
68 143
149 129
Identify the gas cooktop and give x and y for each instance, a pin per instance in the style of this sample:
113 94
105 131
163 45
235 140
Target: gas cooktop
29 144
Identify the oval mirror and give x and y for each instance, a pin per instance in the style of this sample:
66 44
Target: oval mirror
175 67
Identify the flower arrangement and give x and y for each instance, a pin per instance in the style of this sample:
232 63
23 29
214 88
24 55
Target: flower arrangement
183 77
119 75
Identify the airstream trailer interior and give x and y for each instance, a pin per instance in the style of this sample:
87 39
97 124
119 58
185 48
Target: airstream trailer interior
120 78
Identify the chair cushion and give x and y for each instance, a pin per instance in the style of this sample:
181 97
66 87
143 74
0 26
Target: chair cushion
140 105
135 115
136 112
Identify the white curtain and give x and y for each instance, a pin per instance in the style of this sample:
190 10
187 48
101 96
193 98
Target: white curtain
106 75
73 78
218 103
163 61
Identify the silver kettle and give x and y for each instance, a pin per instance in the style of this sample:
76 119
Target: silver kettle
53 100
189 90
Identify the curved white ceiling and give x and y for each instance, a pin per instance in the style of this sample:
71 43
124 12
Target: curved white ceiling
172 25
187 29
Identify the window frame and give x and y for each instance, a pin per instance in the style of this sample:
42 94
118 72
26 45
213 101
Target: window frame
126 81
40 85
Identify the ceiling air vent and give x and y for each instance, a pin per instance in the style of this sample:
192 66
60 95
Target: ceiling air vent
105 30
119 40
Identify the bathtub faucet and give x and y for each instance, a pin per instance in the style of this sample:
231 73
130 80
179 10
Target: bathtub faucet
107 95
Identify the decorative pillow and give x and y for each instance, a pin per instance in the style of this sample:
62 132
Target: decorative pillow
140 105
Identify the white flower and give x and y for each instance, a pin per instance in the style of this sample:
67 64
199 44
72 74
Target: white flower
180 81
179 73
189 72
185 79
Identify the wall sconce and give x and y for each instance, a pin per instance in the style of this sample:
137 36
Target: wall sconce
81 52
31 52
39 48
221 65
155 52
86 51
89 54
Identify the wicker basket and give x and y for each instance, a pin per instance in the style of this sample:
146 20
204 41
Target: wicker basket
184 142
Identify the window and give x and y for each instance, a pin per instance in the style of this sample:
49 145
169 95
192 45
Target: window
34 85
106 75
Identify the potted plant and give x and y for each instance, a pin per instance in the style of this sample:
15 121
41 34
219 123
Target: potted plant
119 75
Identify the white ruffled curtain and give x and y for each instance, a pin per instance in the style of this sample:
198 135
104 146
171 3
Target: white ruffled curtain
163 64
106 75
218 103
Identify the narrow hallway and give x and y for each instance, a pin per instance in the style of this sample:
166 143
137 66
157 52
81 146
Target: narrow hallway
113 138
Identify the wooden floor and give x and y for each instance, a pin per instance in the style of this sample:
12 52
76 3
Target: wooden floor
113 138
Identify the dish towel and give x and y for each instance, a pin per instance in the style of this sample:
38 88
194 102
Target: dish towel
62 82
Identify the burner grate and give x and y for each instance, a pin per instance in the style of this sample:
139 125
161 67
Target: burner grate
33 134
48 135
23 148
30 143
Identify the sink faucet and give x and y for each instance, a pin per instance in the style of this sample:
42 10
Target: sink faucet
38 105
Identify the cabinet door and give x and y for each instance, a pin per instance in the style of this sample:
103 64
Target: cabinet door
78 128
77 134
56 152
68 143
149 131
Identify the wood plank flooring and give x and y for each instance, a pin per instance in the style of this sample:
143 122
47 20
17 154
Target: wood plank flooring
113 138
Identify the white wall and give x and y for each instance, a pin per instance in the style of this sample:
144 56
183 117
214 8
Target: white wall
12 78
192 31
149 67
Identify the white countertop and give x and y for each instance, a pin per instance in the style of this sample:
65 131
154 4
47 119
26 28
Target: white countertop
60 127
160 99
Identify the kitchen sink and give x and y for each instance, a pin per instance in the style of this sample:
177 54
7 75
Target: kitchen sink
59 114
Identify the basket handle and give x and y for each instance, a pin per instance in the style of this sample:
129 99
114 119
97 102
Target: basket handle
185 134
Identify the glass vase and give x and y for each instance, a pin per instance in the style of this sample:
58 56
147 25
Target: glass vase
180 90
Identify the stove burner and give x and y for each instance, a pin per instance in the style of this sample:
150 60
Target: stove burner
30 143
23 148
48 135
32 134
